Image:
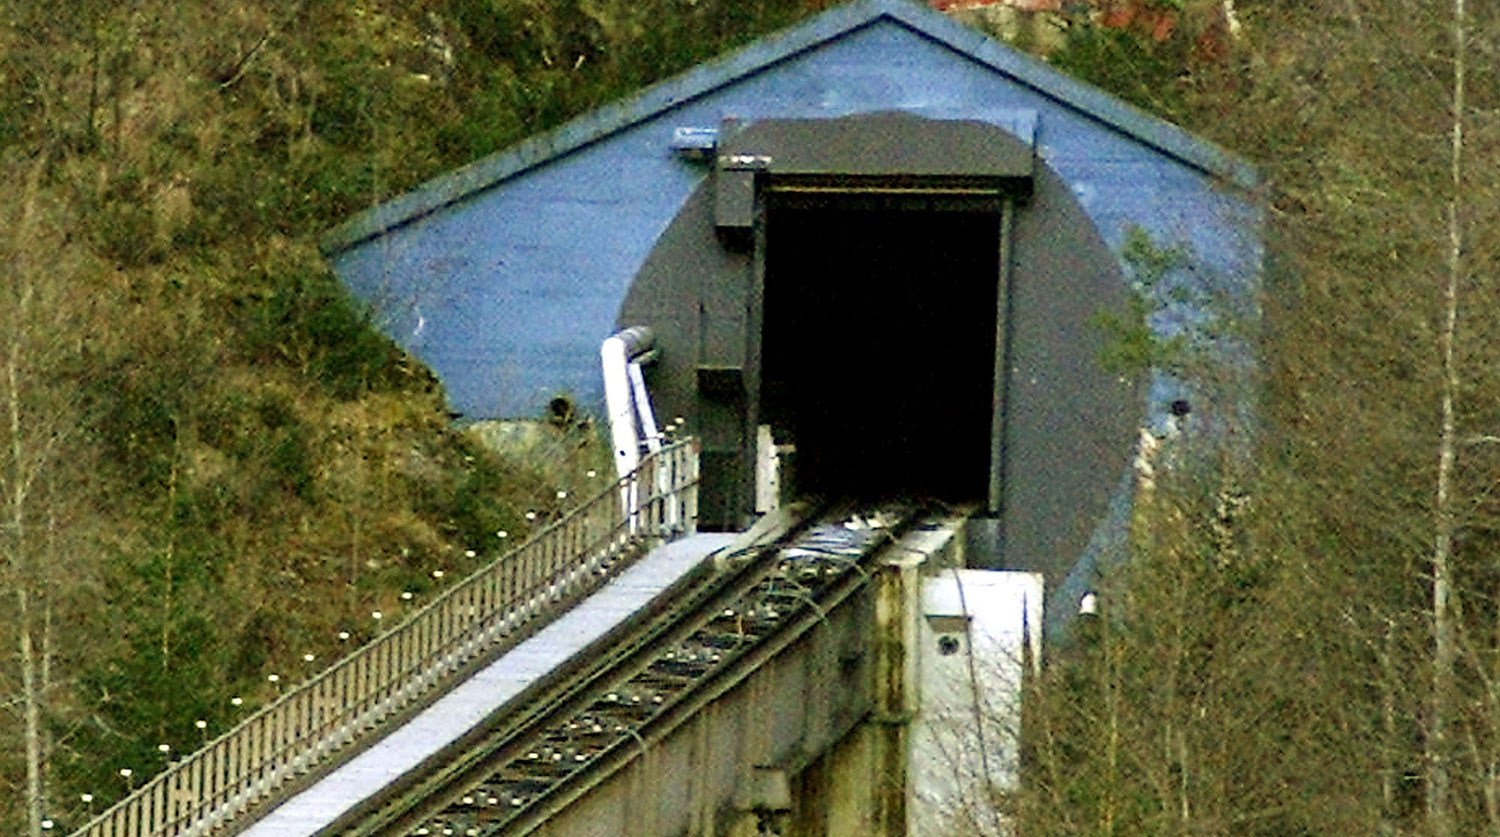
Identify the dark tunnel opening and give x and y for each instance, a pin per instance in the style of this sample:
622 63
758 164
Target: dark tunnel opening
878 348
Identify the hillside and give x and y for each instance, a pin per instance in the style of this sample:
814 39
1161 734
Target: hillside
212 464
1305 641
214 467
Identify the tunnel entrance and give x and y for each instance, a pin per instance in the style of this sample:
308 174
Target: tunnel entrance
878 345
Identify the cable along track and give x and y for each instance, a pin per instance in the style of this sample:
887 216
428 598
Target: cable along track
519 775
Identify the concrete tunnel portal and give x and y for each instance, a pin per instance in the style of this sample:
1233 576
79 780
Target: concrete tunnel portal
903 303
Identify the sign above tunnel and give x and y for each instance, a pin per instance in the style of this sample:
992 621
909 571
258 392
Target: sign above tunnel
877 206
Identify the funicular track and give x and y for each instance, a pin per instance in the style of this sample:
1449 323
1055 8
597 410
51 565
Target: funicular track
317 728
587 722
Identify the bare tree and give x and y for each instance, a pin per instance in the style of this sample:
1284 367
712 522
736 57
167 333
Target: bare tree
41 311
25 458
1439 801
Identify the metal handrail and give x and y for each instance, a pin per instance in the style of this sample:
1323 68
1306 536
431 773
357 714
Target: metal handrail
303 727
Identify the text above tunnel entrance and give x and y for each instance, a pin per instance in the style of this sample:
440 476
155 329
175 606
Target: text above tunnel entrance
895 296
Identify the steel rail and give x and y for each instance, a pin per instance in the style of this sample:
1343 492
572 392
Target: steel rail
563 689
643 655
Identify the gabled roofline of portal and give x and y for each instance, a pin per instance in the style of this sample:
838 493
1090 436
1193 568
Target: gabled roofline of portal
603 122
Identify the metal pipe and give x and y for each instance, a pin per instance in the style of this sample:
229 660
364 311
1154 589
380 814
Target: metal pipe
615 356
638 340
647 426
644 414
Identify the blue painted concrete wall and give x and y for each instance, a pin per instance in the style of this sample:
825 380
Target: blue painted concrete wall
507 293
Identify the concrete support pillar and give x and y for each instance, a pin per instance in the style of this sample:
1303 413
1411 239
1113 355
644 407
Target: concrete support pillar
898 600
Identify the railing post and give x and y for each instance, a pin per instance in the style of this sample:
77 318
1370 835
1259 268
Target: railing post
692 453
657 500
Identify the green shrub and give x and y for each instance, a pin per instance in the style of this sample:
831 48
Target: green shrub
309 320
1144 72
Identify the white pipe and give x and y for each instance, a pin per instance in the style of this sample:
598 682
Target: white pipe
652 437
643 411
617 405
615 355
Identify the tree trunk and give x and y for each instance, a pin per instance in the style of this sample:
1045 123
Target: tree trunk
18 475
1110 686
49 648
1439 803
31 690
1390 742
19 480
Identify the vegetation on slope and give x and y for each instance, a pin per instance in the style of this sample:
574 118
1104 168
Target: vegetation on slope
1309 644
211 463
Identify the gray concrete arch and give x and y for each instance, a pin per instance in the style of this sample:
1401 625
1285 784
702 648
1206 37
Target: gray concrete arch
909 301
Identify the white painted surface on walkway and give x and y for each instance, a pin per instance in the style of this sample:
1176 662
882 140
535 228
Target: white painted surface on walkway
476 698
